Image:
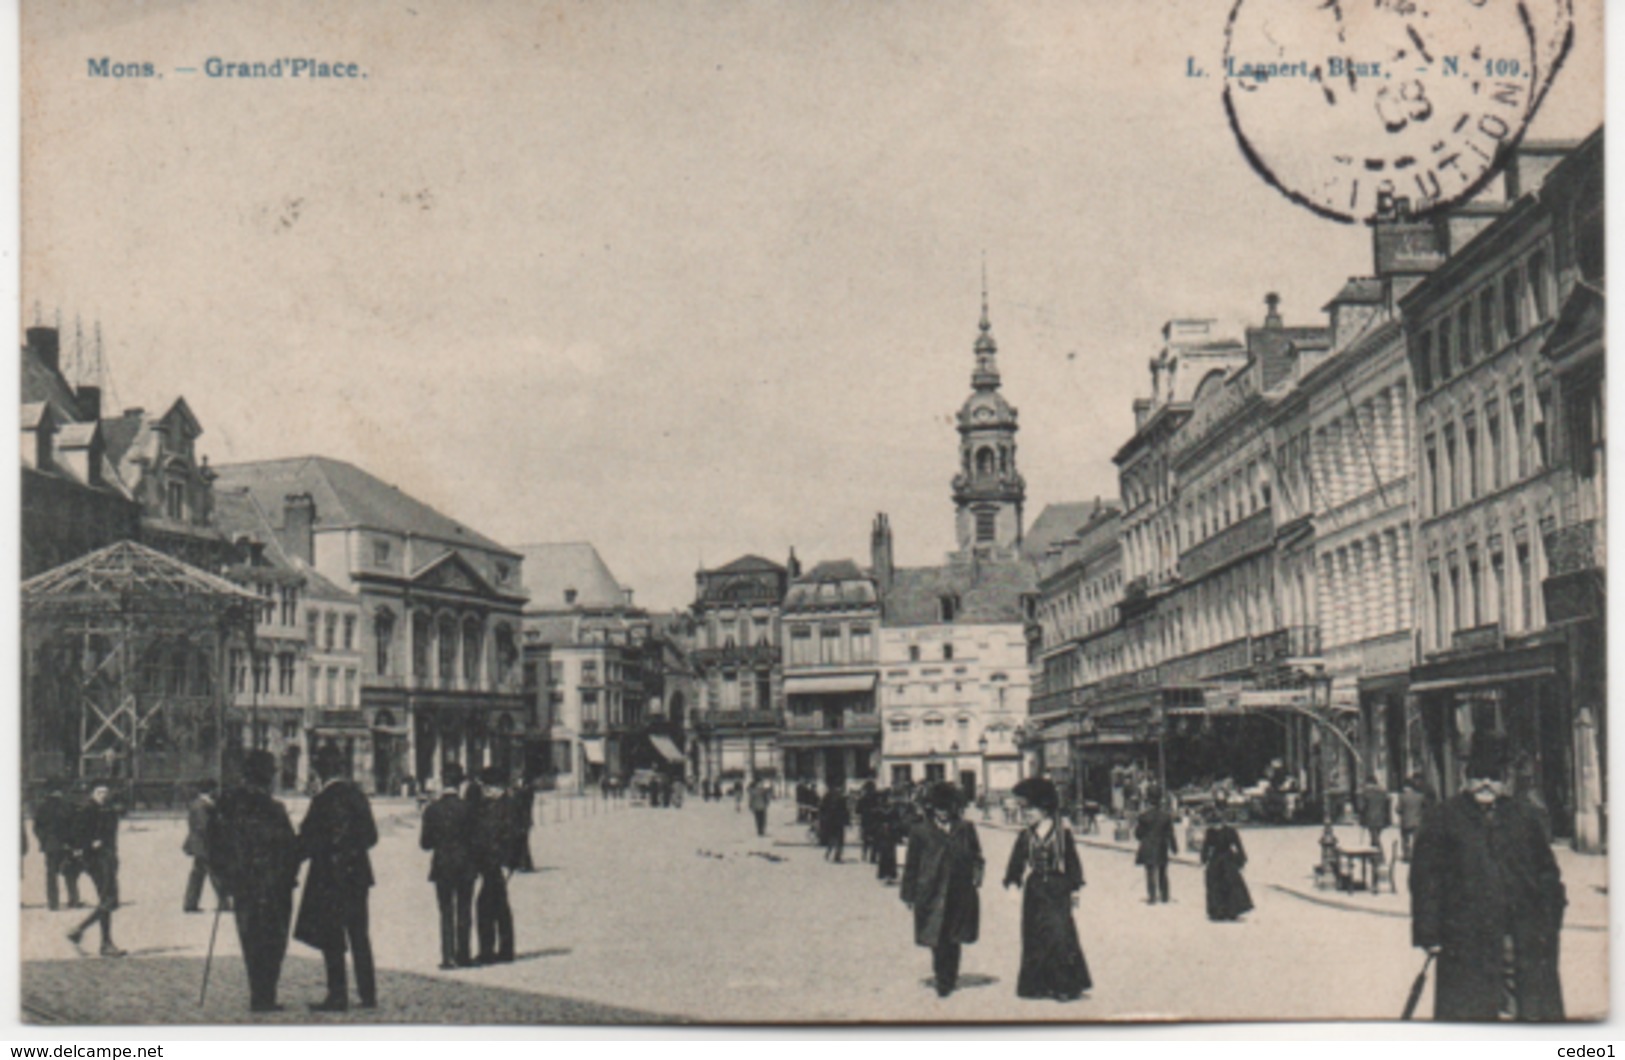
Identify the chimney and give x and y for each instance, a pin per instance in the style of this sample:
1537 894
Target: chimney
793 564
1272 316
299 526
880 553
90 403
46 344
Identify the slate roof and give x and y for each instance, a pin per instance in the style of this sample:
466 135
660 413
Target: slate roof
1359 290
1059 522
237 514
835 584
1275 349
551 629
346 497
747 564
550 569
42 384
988 593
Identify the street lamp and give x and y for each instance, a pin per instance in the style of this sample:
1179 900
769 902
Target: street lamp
981 745
953 750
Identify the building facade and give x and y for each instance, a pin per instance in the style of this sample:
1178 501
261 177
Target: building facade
831 623
738 665
1488 500
439 628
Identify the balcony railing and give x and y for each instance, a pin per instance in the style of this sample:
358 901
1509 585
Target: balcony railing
1252 534
757 655
843 721
738 719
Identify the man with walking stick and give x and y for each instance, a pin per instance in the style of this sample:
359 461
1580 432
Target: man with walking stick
1487 899
253 848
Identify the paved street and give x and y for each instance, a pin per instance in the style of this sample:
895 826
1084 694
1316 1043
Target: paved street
641 915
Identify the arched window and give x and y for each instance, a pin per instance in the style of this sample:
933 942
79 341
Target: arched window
447 630
985 461
422 633
473 642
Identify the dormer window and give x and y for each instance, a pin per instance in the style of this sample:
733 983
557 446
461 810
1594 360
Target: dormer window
380 552
948 606
569 596
503 573
175 500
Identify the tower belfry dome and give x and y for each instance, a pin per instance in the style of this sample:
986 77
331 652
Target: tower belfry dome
988 491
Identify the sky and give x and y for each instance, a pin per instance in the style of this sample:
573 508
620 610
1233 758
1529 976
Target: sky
687 280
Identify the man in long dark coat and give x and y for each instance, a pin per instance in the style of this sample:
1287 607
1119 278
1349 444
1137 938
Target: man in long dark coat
254 857
95 836
493 849
1375 816
448 834
944 870
833 817
523 794
1487 898
196 846
54 824
1155 831
334 837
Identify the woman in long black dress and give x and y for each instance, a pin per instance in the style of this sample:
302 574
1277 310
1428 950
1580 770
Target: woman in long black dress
1224 858
1052 964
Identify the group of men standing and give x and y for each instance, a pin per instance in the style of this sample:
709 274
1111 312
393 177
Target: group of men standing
477 832
81 839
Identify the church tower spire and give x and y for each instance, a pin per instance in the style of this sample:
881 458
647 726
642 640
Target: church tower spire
988 491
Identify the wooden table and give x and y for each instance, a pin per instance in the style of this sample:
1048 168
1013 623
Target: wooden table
1362 858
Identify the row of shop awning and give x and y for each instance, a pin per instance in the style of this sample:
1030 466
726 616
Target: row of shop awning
829 685
594 749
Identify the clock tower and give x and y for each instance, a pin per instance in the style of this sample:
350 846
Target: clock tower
988 491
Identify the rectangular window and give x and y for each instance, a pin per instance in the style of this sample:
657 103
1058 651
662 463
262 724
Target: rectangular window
764 691
1498 573
332 627
290 605
1510 316
1430 488
330 693
380 552
313 620
1424 363
1469 441
349 688
913 653
175 501
1451 496
863 644
349 633
829 644
801 646
1486 320
315 686
589 672
948 650
589 704
730 691
1540 439
1464 334
285 673
1455 598
1475 587
262 674
1446 350
239 670
1526 587
1520 455
987 525
1492 441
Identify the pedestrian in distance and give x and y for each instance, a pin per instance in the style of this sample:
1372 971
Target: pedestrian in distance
95 837
335 837
868 808
943 871
1223 858
55 823
1375 816
493 845
1487 899
833 817
523 796
888 833
761 796
1044 864
254 857
198 816
1413 804
447 833
1155 832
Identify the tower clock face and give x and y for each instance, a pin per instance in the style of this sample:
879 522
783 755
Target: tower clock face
983 415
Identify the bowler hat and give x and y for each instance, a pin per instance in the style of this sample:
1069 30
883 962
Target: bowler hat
943 796
1487 757
329 761
259 767
451 774
492 777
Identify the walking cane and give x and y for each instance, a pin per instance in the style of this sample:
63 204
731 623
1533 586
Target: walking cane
209 960
1416 988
